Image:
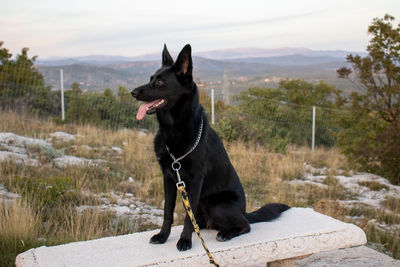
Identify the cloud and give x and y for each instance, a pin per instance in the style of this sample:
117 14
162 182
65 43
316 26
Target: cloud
119 33
128 27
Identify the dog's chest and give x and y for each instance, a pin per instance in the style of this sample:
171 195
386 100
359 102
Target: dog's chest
165 161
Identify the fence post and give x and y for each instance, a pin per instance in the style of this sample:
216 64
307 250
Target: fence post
313 129
212 107
62 94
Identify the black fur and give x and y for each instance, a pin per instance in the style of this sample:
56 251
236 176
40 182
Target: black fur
215 192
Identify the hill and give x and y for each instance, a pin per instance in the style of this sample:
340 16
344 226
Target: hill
235 69
291 60
235 53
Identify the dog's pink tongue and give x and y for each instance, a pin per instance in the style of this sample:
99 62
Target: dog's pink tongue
142 110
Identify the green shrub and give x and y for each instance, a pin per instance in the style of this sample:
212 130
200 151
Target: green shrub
47 193
371 132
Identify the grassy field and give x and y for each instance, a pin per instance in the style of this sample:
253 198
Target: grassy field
46 213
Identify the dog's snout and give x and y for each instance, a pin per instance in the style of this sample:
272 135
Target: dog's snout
135 92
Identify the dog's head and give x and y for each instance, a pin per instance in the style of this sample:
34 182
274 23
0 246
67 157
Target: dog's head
167 85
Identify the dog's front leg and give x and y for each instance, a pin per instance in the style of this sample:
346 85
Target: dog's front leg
169 206
185 242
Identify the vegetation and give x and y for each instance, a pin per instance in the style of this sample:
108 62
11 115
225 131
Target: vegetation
267 135
283 116
22 87
375 111
21 84
46 214
105 108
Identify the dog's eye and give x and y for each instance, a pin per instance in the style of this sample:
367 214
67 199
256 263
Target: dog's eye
158 82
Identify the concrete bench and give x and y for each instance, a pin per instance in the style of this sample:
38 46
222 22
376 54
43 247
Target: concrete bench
298 233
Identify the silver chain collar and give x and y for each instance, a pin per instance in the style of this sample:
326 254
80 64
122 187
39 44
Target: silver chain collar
176 166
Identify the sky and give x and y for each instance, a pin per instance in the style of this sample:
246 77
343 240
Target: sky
130 28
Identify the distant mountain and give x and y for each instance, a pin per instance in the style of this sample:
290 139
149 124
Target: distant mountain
91 78
233 53
91 59
237 74
292 60
57 62
235 69
236 53
222 54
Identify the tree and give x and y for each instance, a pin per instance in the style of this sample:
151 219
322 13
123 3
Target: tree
123 95
5 56
108 93
75 89
21 83
300 93
283 115
371 134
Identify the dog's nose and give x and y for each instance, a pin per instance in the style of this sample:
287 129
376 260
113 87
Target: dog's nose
134 93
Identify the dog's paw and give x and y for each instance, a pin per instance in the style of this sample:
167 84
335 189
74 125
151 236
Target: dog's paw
224 236
184 244
159 238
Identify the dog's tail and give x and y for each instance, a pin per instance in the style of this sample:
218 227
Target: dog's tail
267 212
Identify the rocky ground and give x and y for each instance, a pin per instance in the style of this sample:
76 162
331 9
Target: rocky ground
125 205
19 149
363 190
350 257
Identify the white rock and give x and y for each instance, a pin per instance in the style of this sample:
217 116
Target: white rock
18 158
142 132
123 202
4 194
20 141
65 161
121 210
117 149
63 137
86 147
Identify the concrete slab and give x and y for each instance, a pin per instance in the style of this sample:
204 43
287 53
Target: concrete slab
298 232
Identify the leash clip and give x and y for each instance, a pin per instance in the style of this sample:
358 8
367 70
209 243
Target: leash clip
176 166
180 183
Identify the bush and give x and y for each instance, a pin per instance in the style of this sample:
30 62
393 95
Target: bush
22 86
371 133
105 109
49 193
282 116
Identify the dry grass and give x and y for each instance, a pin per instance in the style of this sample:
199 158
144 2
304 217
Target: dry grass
18 222
266 177
51 216
19 230
322 157
29 125
393 204
262 173
373 185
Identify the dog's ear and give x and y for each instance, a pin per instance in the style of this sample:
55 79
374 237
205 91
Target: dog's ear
166 57
183 64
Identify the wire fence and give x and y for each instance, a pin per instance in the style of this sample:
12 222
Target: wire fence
258 119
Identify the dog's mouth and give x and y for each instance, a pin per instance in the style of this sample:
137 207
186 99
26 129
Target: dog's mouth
150 108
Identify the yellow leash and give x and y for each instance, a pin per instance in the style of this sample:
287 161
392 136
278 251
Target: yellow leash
176 166
185 199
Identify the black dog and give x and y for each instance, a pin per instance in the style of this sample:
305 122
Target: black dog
215 192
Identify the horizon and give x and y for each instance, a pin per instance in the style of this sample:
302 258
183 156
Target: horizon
194 53
76 28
